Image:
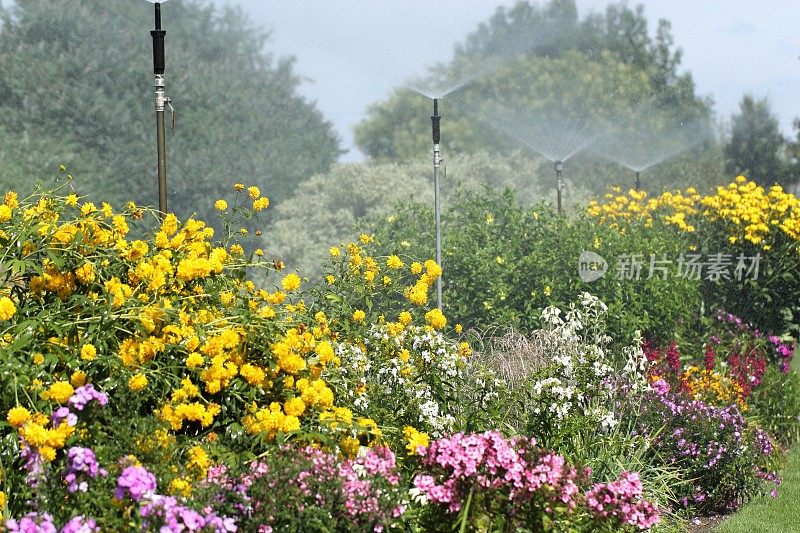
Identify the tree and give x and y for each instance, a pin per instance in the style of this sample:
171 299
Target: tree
792 168
756 143
76 87
301 237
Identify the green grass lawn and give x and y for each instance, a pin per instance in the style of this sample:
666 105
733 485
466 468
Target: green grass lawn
771 515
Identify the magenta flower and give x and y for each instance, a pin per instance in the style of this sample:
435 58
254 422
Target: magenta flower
135 482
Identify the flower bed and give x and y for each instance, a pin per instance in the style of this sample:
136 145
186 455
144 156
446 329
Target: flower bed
156 379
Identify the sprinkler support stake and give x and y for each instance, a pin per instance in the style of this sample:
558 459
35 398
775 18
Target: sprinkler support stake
559 166
435 120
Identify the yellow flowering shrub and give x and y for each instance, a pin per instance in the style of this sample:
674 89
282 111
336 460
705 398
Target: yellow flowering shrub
204 348
741 226
746 211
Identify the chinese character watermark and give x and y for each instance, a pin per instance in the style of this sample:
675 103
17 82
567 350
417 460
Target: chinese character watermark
692 266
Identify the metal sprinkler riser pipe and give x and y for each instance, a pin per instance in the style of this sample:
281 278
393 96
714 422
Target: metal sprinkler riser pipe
161 101
559 166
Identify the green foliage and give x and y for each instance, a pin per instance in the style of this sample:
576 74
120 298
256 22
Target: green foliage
96 105
775 404
301 235
504 263
756 143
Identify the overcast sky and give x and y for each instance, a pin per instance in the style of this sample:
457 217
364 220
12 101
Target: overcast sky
353 52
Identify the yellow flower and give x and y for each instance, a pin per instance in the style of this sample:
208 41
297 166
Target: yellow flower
7 308
415 439
238 187
359 315
291 282
71 200
5 213
85 273
137 382
88 352
394 262
220 205
405 318
38 358
59 392
260 204
12 201
180 487
547 291
416 267
294 407
17 416
350 447
88 208
436 319
254 192
334 251
365 238
78 378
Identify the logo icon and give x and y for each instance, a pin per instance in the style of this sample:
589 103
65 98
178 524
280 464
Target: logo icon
591 267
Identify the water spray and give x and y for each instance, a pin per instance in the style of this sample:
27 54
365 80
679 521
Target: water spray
559 166
437 202
162 100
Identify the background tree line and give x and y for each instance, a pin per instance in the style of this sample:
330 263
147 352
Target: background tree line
76 87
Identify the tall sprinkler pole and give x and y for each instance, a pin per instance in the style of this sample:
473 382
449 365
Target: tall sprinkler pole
161 100
638 181
559 165
437 202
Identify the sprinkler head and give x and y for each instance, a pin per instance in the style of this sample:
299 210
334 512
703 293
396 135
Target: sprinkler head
435 119
559 165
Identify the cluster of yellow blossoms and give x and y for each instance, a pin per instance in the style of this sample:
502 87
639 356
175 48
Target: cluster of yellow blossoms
364 266
713 387
748 212
415 439
37 431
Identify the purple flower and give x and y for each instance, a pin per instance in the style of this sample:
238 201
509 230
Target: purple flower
85 394
32 523
178 518
660 386
63 413
136 482
81 461
80 524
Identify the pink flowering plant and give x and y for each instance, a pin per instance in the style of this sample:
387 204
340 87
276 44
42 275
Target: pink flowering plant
308 489
486 482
